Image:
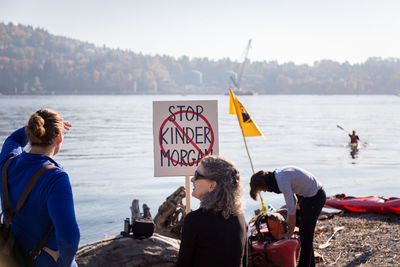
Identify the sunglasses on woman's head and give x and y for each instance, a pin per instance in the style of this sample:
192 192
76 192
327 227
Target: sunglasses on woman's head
197 176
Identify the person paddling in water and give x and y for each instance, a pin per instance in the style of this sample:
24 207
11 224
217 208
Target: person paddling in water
354 138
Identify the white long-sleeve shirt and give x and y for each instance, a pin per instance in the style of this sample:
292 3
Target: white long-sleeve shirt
293 180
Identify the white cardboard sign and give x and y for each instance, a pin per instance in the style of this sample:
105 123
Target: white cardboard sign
183 133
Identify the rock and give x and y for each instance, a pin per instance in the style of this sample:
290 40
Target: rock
157 250
318 257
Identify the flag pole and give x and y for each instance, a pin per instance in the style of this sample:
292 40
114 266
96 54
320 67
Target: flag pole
263 207
241 128
248 153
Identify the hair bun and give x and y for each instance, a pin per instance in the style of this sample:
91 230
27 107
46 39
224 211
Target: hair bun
36 125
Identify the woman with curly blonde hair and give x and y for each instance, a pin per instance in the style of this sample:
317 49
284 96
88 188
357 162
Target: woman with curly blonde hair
216 233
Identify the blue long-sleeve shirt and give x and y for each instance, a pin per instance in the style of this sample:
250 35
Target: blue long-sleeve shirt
50 201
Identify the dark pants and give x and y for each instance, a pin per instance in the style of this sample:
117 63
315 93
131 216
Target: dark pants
310 208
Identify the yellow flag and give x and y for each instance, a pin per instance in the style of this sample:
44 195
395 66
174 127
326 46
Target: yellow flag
249 127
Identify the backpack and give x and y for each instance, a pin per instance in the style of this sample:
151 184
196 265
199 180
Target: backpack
11 251
275 222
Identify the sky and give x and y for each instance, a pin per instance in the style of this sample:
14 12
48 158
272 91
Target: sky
299 31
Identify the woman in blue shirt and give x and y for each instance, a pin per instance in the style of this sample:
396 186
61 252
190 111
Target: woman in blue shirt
50 201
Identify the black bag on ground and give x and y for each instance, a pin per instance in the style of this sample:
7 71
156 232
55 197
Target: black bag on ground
142 228
12 254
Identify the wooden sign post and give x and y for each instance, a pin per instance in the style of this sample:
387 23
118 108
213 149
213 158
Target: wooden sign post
187 189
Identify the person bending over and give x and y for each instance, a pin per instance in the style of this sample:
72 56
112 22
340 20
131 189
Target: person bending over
216 233
292 181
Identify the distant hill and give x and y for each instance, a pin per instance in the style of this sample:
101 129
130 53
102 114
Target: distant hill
33 61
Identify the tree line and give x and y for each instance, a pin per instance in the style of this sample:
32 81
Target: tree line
33 61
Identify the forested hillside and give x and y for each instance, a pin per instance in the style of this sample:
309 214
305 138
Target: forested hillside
33 61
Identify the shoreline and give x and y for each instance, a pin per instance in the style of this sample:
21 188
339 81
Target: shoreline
367 239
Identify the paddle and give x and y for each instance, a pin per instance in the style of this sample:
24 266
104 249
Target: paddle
341 128
327 243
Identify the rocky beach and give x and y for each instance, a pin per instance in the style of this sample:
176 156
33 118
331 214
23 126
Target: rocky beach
366 240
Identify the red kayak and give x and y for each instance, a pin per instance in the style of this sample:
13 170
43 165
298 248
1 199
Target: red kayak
265 250
371 204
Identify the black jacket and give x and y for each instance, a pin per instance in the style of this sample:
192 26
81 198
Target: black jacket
208 239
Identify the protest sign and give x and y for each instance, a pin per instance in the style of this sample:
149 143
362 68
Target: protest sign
183 132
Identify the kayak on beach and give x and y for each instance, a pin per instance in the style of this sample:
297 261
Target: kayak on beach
371 204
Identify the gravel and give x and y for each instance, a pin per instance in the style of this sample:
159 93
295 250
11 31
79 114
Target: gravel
366 240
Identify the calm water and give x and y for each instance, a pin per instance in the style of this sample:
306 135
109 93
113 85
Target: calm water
109 151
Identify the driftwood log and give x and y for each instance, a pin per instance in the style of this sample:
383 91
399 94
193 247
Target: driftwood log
135 210
169 219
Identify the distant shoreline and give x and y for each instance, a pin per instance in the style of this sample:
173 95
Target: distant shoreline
173 94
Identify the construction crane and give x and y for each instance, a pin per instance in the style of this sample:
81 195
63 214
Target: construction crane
236 82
